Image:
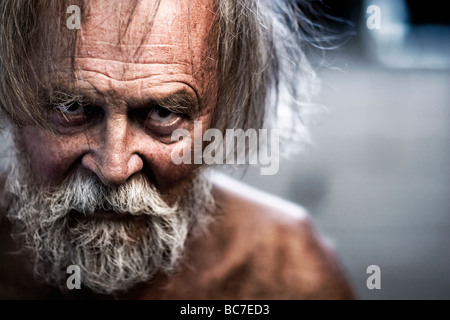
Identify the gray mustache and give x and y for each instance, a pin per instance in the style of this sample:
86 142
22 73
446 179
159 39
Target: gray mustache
86 194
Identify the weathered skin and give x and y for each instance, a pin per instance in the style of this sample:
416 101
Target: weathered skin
259 247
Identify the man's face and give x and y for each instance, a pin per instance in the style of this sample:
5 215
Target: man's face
126 74
117 204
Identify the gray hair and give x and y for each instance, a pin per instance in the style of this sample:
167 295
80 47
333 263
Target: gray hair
263 73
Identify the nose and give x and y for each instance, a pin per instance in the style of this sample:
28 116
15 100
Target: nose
111 155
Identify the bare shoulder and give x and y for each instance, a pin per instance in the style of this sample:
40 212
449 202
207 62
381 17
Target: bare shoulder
284 255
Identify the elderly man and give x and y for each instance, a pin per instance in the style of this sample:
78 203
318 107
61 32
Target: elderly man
91 93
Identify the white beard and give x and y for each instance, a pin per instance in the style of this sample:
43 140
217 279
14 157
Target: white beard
113 254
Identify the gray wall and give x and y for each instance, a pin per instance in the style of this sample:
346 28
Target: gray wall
377 179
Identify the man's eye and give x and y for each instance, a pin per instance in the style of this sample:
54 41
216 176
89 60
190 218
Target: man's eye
159 120
73 108
73 114
162 115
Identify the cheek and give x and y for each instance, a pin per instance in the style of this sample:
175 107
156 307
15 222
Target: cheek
171 177
50 159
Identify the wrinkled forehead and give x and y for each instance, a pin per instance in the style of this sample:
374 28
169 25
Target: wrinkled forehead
132 39
164 31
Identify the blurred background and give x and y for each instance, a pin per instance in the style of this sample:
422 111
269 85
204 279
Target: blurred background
377 178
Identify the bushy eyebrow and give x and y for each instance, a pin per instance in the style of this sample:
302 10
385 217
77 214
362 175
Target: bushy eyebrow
178 102
62 95
57 97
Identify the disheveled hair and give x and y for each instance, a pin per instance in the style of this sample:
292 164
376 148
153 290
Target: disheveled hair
264 77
